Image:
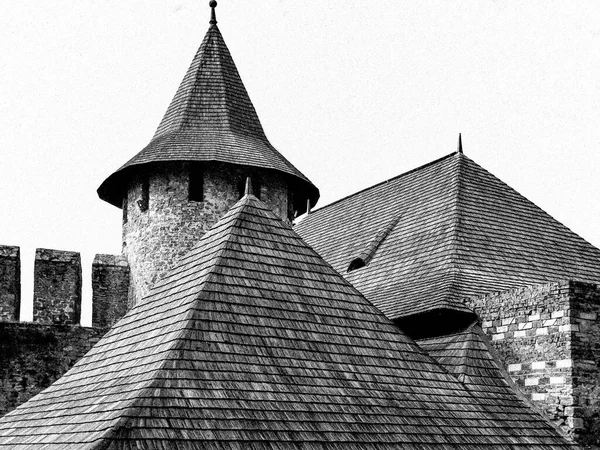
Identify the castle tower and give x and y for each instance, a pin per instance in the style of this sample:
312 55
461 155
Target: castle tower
194 168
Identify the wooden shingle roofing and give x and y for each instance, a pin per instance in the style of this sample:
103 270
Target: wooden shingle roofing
461 232
254 341
469 357
211 118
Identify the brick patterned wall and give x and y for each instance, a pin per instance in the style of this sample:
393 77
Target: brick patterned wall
531 328
153 240
57 287
10 283
549 339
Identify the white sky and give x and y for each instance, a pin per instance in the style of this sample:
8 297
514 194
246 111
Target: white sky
351 92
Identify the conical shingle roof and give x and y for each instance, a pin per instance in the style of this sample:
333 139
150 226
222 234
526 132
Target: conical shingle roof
211 118
253 341
459 232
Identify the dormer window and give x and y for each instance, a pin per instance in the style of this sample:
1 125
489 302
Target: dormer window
196 183
356 263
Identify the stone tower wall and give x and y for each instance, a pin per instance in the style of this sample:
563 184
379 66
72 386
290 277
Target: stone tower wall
35 354
156 237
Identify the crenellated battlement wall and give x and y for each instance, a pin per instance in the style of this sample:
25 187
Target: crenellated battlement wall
35 354
57 286
10 283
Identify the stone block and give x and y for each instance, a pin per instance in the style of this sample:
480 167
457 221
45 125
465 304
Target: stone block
525 326
57 287
538 365
588 315
568 327
564 363
10 283
110 287
514 367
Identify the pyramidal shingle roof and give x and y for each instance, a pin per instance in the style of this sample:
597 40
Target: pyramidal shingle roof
253 341
211 118
469 356
458 232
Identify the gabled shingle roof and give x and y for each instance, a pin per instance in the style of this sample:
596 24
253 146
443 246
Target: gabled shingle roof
461 232
253 341
211 118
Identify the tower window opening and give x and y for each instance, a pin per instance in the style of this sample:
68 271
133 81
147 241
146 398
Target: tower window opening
144 201
125 206
196 183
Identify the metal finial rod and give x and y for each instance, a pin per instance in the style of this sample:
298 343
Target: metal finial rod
213 14
308 206
248 190
460 150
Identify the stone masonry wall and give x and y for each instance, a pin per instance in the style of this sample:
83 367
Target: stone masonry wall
10 283
530 329
154 239
110 287
57 287
33 355
549 339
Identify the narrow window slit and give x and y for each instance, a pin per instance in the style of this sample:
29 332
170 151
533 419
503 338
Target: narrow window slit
196 183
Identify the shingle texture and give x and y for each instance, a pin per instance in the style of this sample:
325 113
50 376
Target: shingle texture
468 356
211 118
460 232
253 341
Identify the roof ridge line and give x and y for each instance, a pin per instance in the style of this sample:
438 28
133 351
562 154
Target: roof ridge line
155 380
456 225
133 403
424 166
189 99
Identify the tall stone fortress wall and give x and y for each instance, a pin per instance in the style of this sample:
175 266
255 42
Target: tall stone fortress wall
35 354
548 338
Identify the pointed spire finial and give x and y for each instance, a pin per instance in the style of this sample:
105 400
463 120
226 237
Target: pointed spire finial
248 190
460 150
213 15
